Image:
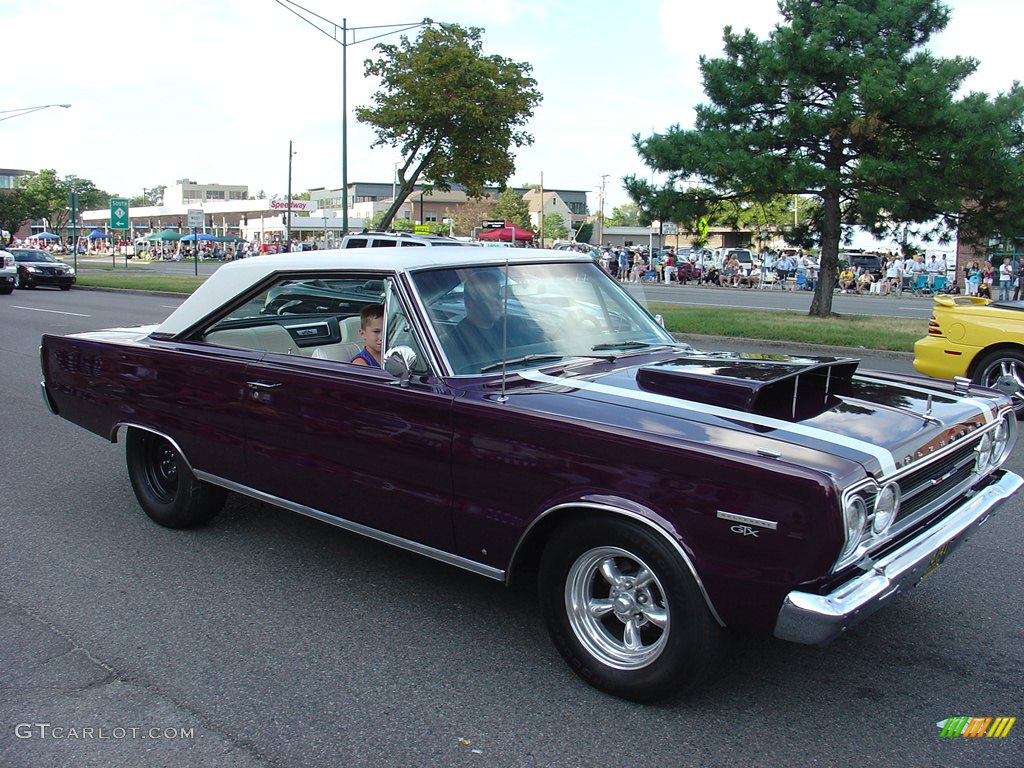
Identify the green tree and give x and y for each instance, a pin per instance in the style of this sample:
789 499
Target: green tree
625 215
554 227
511 206
18 206
151 196
50 194
843 102
452 112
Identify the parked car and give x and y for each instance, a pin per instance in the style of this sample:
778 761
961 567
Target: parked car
36 267
533 423
872 262
978 339
8 272
395 240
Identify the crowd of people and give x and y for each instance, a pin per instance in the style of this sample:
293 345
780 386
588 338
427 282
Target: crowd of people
796 270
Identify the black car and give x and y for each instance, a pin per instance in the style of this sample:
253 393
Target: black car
872 262
37 267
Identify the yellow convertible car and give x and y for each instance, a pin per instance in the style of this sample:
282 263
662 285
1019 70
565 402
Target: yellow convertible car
978 339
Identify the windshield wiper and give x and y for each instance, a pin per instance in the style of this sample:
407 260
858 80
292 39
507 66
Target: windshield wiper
520 361
622 345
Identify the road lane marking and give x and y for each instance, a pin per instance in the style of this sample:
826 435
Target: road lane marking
53 311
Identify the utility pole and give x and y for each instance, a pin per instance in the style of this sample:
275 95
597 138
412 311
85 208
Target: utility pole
600 214
541 210
288 214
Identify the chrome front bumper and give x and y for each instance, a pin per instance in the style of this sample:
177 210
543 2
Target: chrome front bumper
818 619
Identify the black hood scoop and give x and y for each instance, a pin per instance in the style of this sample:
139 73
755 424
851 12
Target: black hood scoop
778 386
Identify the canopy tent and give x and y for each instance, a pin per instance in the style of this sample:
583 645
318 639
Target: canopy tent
230 239
97 235
200 236
44 236
509 232
163 234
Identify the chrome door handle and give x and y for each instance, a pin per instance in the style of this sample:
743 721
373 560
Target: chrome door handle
262 385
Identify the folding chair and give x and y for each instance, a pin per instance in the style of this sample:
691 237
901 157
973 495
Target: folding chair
920 285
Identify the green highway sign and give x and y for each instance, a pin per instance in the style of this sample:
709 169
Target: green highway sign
118 213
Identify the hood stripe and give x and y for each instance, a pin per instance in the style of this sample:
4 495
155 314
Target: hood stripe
988 410
881 455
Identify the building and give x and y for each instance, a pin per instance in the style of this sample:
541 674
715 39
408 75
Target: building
185 191
227 210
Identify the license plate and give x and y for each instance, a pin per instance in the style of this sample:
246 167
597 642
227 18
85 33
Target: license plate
937 558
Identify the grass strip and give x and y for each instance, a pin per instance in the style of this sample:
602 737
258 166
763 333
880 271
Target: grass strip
896 334
141 281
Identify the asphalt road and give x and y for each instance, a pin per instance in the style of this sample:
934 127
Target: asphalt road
268 639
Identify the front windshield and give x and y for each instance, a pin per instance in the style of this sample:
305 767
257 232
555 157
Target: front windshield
34 256
549 312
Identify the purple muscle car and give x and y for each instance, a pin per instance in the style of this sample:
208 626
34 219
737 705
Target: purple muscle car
532 421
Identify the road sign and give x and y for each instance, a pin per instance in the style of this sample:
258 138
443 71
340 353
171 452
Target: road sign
421 229
195 217
493 224
118 213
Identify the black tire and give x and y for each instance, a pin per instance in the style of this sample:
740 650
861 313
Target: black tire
65 287
6 291
20 282
675 640
1003 369
164 485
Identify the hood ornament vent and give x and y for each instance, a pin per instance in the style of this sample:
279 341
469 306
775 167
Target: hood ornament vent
777 386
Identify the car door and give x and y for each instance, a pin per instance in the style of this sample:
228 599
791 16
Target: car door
353 442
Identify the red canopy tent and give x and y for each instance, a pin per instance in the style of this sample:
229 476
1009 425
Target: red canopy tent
509 232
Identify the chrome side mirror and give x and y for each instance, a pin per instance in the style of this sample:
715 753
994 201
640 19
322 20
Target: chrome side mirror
399 364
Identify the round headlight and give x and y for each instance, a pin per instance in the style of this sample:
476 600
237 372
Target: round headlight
855 516
1000 441
984 449
887 505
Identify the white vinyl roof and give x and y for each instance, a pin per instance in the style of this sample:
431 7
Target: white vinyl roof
238 276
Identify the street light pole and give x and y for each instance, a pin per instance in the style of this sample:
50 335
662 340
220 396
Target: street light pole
288 214
27 110
291 5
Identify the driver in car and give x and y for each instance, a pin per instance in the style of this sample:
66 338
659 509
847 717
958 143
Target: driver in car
478 336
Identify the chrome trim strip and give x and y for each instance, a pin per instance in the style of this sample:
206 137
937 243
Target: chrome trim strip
818 619
771 525
168 438
371 533
634 516
881 455
46 399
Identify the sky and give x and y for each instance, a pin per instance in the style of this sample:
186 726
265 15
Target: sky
213 90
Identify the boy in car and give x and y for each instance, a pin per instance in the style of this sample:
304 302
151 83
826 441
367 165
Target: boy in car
371 330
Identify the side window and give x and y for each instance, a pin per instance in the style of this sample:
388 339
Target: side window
377 243
399 330
411 243
354 242
314 317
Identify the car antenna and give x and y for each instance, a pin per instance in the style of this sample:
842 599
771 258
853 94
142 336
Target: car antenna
503 398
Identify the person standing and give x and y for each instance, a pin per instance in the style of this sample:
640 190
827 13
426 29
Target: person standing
1005 279
1018 279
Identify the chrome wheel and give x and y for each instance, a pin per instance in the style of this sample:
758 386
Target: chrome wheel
1004 371
617 608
